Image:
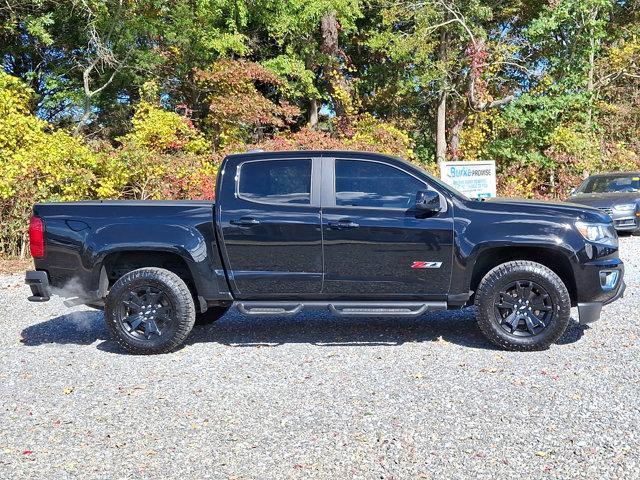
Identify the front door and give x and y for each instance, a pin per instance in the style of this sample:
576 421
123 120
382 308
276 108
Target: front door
271 228
375 244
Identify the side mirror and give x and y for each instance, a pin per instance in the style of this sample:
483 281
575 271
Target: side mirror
573 190
428 201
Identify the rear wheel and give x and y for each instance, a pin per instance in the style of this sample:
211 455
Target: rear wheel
149 310
522 305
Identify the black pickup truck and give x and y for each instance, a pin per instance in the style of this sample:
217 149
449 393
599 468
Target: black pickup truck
357 234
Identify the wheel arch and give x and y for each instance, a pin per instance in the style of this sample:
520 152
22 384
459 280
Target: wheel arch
120 262
553 259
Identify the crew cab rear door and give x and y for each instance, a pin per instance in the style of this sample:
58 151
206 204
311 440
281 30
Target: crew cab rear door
269 219
375 243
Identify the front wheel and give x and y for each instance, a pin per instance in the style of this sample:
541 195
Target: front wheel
150 310
522 305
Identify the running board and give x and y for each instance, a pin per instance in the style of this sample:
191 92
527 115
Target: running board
341 309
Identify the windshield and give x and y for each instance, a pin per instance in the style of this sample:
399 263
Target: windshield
611 183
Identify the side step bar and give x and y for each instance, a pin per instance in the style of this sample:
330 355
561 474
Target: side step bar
341 308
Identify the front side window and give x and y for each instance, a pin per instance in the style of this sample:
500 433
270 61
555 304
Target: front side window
276 181
371 184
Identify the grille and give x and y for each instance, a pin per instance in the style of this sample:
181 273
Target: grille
607 210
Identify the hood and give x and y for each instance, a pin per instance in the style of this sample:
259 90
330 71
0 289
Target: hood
557 210
605 200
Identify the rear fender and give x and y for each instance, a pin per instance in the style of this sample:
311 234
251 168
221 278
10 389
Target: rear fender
187 242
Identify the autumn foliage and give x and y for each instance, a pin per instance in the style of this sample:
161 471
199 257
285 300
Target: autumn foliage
112 99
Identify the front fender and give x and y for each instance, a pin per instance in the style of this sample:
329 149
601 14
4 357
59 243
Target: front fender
477 237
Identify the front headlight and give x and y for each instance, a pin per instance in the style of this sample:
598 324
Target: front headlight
625 206
598 232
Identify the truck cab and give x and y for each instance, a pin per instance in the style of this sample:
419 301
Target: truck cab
333 227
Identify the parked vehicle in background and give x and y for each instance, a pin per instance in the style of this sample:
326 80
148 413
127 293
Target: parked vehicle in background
617 194
352 233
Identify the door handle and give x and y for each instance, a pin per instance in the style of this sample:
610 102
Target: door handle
245 222
342 224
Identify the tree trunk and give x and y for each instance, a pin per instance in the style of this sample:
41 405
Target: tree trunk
454 145
313 113
441 128
338 86
86 114
23 247
592 62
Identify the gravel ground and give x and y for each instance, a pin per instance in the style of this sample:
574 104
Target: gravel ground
318 397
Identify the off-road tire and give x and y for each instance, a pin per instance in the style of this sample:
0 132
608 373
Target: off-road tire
175 294
212 314
488 317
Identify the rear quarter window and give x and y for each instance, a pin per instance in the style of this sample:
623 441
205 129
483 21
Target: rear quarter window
276 181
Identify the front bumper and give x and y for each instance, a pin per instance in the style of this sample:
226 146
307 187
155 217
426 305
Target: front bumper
589 312
623 220
39 283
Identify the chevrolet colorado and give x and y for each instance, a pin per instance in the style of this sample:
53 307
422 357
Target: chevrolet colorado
357 234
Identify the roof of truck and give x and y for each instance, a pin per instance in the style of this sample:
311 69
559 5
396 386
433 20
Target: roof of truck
311 153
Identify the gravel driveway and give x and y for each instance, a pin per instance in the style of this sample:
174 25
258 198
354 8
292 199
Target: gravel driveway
318 397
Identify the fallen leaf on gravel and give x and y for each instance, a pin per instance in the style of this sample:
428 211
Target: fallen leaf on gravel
542 453
490 370
418 376
27 452
67 390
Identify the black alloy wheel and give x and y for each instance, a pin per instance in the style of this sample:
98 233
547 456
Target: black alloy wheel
523 308
146 312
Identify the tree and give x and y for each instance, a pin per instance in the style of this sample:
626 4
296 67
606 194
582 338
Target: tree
302 40
466 56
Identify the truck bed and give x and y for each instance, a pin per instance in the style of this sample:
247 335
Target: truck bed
90 242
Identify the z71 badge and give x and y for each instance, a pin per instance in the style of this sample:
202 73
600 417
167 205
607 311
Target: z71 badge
426 264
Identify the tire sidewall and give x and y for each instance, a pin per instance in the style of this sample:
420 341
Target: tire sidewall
501 276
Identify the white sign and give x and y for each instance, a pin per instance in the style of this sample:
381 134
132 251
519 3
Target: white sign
474 179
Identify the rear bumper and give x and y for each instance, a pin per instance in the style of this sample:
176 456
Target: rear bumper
38 281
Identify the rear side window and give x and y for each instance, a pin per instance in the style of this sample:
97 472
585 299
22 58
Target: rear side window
276 181
371 184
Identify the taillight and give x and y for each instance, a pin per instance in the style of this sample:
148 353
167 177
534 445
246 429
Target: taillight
36 237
